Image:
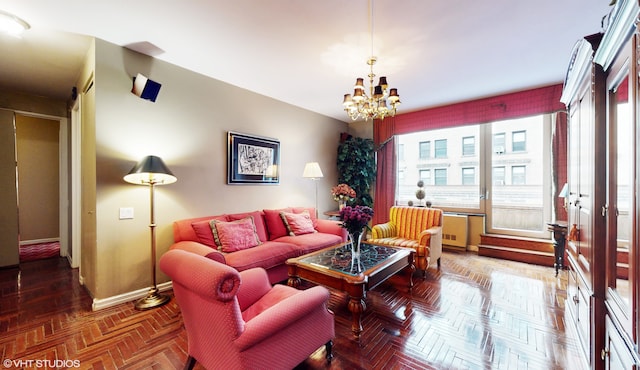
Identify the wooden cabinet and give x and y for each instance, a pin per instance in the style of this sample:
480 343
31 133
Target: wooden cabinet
585 97
601 94
618 56
616 354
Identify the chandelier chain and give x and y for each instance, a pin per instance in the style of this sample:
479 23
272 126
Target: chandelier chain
381 101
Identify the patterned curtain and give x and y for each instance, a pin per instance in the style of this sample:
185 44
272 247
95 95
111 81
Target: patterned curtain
496 108
502 107
559 154
385 187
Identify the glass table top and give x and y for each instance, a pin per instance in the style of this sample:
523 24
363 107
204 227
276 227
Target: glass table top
340 258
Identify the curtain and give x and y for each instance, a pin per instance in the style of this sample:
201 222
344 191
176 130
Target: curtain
502 107
514 105
385 187
559 154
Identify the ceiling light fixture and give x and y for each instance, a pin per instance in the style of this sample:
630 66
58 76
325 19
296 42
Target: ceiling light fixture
381 101
12 24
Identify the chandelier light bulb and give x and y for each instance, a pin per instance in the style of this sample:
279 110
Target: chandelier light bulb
11 24
380 101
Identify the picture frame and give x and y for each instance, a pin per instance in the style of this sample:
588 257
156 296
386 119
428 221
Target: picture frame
252 159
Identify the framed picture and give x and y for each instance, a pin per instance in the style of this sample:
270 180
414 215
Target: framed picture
252 159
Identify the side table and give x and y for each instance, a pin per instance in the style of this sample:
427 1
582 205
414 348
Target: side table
332 215
559 230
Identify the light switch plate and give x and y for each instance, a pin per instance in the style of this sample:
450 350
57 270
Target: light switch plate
126 213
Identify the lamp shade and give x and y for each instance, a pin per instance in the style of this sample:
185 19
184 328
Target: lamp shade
150 170
11 24
564 192
312 170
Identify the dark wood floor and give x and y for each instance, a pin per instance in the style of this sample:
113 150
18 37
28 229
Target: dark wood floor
475 313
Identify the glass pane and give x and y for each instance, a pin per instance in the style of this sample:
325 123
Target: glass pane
441 148
446 183
519 143
498 143
517 186
624 170
469 146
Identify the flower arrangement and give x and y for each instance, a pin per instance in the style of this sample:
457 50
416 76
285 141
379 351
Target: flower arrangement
343 192
354 219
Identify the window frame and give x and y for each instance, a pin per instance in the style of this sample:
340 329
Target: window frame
466 146
438 150
518 149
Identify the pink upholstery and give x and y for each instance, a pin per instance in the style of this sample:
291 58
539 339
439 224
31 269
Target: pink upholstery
272 253
237 320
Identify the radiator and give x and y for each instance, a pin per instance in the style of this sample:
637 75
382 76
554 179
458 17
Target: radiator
455 230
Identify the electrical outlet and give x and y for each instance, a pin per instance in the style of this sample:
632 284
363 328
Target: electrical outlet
126 213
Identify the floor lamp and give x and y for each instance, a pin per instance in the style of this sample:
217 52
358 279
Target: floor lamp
312 171
151 171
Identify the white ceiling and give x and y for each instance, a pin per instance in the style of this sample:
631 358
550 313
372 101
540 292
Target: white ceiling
308 53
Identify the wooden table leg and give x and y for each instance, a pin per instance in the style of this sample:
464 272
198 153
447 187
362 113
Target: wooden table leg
357 306
411 268
294 280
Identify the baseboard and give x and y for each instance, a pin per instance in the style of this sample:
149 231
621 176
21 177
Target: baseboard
39 241
99 304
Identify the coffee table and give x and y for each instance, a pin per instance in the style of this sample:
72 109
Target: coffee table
334 267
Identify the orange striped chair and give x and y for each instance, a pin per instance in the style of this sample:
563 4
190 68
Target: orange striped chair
413 227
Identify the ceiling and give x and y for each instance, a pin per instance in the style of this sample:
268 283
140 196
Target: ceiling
308 53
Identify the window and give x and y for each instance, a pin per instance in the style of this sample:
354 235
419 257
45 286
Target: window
401 152
441 148
498 175
425 149
468 176
440 176
443 187
519 141
474 173
498 143
468 146
518 175
425 176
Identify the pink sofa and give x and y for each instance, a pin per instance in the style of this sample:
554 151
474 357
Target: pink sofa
274 245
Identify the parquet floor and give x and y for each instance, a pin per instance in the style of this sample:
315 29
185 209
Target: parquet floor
475 313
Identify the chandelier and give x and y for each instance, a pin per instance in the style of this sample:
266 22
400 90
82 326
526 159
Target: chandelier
380 101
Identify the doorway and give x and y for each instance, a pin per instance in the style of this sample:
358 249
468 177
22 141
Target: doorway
36 188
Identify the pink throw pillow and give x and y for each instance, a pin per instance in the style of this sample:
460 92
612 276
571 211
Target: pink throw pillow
298 223
235 235
203 231
312 213
258 220
274 222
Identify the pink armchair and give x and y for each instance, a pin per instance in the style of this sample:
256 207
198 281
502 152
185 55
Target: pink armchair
237 320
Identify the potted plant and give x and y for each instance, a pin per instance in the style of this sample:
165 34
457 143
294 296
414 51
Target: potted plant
420 193
357 167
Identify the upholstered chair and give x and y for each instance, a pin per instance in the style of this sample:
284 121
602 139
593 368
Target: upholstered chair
237 320
419 228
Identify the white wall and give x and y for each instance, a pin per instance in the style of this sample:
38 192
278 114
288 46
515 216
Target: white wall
187 126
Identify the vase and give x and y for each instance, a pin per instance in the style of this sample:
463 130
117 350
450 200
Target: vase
356 239
341 204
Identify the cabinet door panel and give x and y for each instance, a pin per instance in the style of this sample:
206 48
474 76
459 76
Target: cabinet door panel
616 354
620 194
